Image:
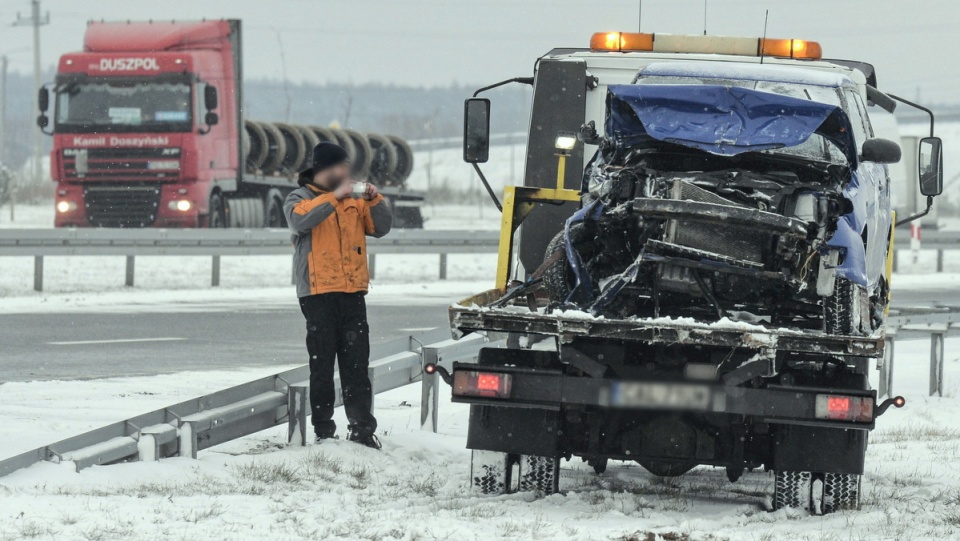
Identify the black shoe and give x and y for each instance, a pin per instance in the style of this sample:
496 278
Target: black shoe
368 440
321 439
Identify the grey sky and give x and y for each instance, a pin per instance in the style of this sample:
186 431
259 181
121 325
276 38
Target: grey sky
437 42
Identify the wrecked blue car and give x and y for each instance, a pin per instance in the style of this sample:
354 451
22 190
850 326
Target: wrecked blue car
755 194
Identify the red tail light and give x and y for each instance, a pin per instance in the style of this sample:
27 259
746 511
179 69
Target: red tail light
482 384
844 408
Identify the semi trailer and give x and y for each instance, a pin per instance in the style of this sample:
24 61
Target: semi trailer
695 272
149 130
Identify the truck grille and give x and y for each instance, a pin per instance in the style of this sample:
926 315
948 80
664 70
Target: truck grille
130 164
122 206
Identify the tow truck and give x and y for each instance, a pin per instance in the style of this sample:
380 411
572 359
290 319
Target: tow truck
696 270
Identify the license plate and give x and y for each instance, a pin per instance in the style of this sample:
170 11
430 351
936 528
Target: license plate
636 394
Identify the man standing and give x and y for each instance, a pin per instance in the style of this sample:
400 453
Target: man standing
330 223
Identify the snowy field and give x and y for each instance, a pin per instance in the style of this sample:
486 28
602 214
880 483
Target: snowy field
259 488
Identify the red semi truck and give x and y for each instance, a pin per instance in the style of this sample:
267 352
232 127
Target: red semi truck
149 131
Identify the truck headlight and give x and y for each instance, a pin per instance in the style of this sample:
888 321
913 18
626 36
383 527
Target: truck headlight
66 206
182 205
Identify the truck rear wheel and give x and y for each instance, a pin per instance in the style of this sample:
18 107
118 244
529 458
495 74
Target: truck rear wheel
539 473
490 472
791 489
273 213
841 491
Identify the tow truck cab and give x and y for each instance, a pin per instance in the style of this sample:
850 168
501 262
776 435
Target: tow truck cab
597 371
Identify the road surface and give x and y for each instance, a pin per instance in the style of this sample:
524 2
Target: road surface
48 346
98 345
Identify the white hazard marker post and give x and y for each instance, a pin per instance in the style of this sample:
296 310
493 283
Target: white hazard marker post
915 241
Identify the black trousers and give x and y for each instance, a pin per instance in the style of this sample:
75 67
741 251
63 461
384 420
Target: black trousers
337 329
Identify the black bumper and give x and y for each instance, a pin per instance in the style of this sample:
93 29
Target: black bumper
553 390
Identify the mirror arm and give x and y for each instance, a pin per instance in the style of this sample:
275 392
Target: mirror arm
920 214
486 185
522 80
916 106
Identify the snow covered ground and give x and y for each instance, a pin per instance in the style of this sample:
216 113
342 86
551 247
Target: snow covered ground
259 488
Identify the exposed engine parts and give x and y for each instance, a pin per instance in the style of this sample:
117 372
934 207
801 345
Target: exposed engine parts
651 241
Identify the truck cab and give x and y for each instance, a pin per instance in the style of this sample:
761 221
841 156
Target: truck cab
136 139
695 272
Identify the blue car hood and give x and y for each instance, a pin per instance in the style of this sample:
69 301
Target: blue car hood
724 120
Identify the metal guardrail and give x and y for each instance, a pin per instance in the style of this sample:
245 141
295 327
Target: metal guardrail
215 243
188 427
909 322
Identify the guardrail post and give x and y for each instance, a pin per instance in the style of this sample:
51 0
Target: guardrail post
215 272
297 414
443 266
936 364
886 367
939 260
130 263
429 395
38 273
372 265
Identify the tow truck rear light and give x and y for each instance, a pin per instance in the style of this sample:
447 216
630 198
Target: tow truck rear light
482 384
844 408
672 43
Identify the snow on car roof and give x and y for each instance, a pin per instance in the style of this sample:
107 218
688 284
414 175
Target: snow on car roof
747 72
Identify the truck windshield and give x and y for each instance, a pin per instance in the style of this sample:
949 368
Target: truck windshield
124 106
815 148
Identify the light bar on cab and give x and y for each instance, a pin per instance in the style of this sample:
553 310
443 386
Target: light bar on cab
671 43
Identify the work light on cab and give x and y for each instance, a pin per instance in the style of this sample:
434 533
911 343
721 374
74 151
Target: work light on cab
672 43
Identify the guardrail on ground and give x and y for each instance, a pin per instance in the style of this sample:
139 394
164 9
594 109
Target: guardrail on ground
215 243
188 427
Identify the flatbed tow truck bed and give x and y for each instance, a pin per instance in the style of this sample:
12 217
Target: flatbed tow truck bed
478 313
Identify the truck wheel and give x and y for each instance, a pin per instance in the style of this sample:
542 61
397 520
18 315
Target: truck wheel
791 489
557 276
273 215
490 472
841 491
539 473
216 218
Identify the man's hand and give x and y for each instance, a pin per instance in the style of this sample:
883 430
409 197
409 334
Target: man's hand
343 190
371 192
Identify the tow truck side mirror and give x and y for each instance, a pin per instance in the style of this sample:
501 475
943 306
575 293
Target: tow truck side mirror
880 151
476 130
930 162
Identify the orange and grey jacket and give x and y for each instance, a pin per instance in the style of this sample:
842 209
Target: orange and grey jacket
329 238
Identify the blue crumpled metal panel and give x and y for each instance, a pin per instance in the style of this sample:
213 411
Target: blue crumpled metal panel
723 120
